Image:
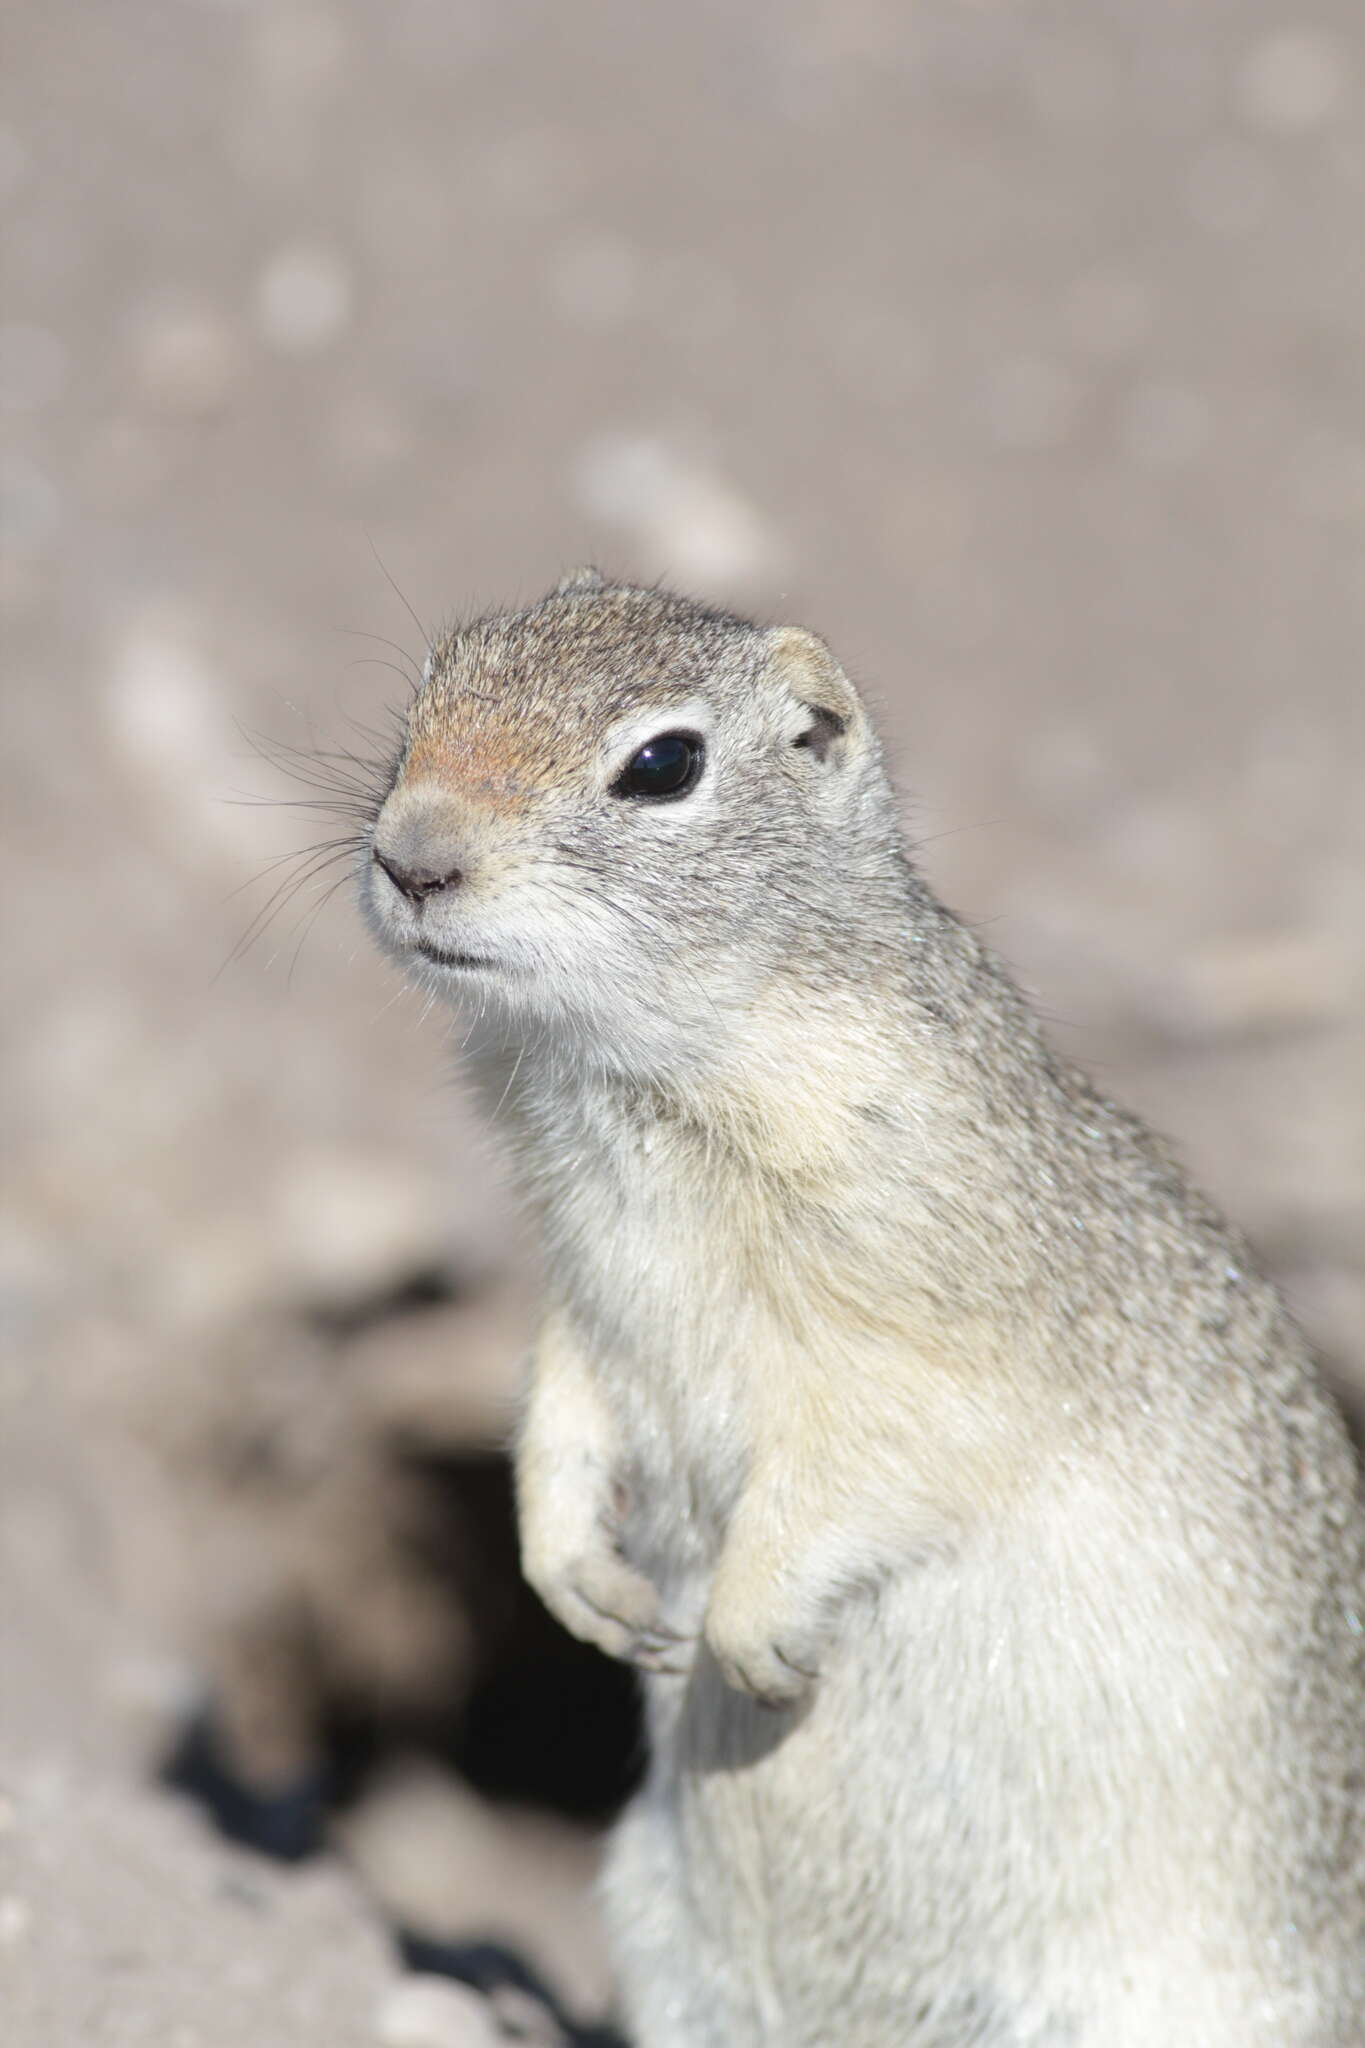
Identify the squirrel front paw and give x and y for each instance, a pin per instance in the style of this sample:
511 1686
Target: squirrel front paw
775 1659
603 1600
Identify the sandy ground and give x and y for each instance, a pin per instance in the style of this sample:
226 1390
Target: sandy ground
1014 346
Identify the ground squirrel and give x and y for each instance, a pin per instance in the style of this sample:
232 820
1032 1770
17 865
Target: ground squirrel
994 1554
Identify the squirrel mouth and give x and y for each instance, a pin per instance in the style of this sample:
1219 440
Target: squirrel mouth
441 957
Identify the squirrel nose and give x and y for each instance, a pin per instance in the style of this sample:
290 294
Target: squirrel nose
417 883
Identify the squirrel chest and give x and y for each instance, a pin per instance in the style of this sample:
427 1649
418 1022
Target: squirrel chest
692 1272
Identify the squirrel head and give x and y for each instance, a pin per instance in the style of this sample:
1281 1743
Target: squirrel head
620 812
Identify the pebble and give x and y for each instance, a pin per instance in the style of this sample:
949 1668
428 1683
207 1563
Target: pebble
299 52
16 1917
187 359
368 431
303 298
161 700
1272 981
1293 81
683 514
351 1221
434 2012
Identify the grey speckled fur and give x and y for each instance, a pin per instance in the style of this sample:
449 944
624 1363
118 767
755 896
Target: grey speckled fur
996 1559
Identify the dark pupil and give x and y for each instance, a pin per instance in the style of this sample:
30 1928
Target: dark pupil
661 767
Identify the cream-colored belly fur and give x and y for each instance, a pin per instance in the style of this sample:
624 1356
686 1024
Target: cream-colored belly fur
988 1825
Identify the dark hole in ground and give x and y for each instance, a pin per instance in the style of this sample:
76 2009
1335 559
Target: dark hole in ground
544 1720
548 1722
552 1722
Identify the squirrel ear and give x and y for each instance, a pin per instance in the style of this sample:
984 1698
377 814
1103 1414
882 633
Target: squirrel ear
805 665
586 578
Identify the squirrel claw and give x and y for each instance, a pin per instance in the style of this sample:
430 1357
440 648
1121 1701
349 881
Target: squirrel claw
766 1674
665 1649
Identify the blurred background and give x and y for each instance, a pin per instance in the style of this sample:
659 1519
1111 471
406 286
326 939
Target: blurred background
1016 347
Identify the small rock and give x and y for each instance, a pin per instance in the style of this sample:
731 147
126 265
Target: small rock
303 298
433 2012
683 514
15 1920
353 1222
1293 81
161 701
1276 981
299 52
187 359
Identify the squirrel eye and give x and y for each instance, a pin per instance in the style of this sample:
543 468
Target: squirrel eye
668 766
